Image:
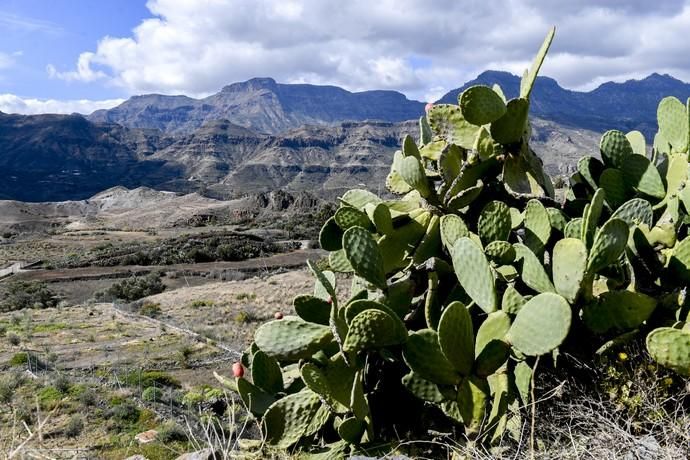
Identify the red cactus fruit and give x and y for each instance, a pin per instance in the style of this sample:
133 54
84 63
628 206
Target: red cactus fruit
238 370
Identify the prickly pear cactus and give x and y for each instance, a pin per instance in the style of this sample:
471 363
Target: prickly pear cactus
468 271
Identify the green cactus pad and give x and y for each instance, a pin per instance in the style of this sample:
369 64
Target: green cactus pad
661 144
409 147
637 142
412 171
568 265
348 216
359 198
447 122
574 228
481 105
640 174
516 218
500 252
637 211
558 219
590 169
430 245
591 216
615 149
312 309
456 337
530 76
609 244
533 273
432 150
318 381
324 288
523 379
287 420
679 263
331 235
358 306
613 182
619 310
512 300
382 219
494 327
374 328
351 430
474 273
511 126
541 325
364 255
338 262
423 355
396 184
485 145
473 394
493 356
452 228
467 196
450 163
671 348
254 398
494 222
673 123
291 338
422 389
537 226
266 373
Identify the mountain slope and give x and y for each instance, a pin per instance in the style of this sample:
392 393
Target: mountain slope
262 105
625 106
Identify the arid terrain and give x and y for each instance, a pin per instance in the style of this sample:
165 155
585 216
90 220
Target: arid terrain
93 371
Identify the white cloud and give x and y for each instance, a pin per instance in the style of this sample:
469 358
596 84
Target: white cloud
10 103
6 60
197 46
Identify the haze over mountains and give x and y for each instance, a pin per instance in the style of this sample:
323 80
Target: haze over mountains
260 135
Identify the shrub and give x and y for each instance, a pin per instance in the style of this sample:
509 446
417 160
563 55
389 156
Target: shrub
151 378
124 413
152 394
24 294
74 427
13 339
49 397
150 309
134 288
171 432
62 383
476 276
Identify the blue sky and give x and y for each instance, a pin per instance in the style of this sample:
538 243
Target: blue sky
79 55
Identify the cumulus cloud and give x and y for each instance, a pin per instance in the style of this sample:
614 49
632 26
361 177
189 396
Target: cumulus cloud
10 103
421 47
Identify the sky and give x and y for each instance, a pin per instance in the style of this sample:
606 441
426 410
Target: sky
63 56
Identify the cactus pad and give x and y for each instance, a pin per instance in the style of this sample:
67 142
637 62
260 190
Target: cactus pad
541 325
679 264
422 389
533 273
512 300
637 142
331 235
266 373
291 338
500 252
609 244
640 174
374 328
615 148
494 222
671 348
359 198
530 76
456 337
635 212
613 182
423 355
312 309
348 216
673 123
481 105
537 226
474 273
364 255
452 228
619 310
511 126
569 265
287 420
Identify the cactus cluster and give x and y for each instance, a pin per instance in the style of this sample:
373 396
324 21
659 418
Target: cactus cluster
475 270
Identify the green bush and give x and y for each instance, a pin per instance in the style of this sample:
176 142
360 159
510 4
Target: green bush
171 432
134 288
23 294
49 397
74 427
147 379
474 277
150 309
152 394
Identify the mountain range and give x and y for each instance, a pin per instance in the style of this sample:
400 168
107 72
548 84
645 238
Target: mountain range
260 135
